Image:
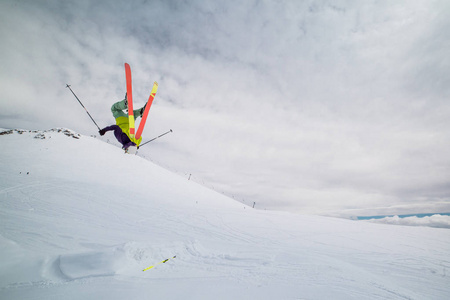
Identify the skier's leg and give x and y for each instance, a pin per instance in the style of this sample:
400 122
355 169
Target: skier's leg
123 138
119 134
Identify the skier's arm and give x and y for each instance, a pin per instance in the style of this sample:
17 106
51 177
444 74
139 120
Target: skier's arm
138 112
106 129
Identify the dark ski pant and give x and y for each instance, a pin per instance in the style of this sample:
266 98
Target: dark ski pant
121 117
119 134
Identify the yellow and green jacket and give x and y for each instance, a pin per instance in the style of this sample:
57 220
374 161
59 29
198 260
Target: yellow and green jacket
124 124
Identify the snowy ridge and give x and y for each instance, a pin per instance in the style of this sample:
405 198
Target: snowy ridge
80 219
42 134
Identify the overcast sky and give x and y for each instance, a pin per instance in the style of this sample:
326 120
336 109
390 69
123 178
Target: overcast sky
329 107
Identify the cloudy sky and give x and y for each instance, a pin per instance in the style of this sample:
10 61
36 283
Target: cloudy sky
317 106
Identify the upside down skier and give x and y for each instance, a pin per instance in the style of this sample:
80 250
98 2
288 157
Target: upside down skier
122 127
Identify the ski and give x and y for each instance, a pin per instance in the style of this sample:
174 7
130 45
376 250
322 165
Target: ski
130 100
161 262
147 109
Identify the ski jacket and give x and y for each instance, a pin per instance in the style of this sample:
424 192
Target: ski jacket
123 123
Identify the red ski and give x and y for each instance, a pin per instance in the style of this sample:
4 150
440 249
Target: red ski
147 109
130 100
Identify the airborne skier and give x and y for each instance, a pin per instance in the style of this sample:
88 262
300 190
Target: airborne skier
124 130
122 127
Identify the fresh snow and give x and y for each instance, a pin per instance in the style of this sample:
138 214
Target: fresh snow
79 219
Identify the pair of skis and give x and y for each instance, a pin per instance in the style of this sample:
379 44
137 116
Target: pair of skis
137 134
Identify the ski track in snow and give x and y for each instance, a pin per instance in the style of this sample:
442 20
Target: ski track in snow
79 219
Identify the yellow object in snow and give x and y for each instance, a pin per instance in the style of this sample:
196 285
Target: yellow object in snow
161 262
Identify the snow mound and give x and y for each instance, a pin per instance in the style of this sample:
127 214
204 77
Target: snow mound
92 264
437 221
127 259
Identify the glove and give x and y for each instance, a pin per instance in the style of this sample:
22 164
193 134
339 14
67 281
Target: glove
102 131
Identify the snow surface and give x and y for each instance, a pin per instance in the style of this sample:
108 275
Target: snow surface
79 219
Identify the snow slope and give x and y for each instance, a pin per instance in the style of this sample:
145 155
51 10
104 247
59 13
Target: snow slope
81 220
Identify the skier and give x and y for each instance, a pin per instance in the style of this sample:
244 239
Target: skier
122 127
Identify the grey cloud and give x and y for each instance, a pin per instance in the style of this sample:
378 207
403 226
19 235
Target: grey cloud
312 105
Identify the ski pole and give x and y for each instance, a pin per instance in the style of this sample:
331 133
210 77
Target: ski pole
156 138
161 262
83 106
